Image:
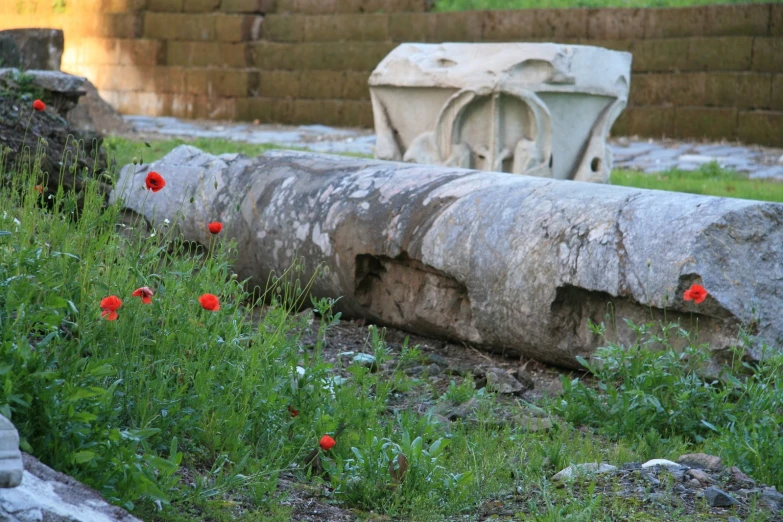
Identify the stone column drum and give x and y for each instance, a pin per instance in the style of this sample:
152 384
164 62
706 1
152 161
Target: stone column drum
11 467
537 109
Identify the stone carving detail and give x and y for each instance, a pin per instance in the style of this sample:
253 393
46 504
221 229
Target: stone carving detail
11 467
536 109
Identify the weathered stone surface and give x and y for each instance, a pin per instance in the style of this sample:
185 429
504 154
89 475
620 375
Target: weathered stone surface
500 381
700 475
701 460
540 109
514 263
50 496
93 114
10 457
718 498
31 48
577 470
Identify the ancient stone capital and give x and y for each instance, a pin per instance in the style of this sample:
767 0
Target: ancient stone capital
536 109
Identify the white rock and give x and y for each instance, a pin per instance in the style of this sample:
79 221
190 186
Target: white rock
661 462
364 359
575 470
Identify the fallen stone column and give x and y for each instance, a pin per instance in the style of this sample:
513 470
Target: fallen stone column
512 263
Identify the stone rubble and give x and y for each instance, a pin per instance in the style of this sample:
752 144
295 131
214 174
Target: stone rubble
670 484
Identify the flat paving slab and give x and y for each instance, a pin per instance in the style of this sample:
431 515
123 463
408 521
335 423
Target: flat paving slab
633 153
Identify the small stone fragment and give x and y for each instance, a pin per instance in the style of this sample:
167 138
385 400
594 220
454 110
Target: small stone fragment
366 360
415 371
701 476
739 477
652 480
701 460
434 369
344 357
772 493
745 493
772 499
719 498
434 358
582 469
528 423
661 499
463 410
524 377
660 462
499 380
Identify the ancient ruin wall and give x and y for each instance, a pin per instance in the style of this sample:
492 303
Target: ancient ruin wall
712 71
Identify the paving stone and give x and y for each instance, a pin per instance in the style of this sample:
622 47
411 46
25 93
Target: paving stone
775 172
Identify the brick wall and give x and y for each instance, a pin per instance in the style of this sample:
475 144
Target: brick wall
711 71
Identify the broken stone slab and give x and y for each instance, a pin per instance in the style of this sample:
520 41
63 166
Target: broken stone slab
541 109
62 90
48 495
11 467
32 48
515 264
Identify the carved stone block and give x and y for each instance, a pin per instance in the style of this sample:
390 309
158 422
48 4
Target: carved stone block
536 109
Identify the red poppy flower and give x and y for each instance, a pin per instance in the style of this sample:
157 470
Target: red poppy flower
39 189
696 293
109 306
209 302
327 443
39 105
145 293
292 411
215 227
154 181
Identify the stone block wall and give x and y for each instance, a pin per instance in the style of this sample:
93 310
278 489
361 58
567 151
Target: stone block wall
698 72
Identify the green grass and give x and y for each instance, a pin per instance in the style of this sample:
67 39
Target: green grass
710 180
481 5
188 409
652 395
124 150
